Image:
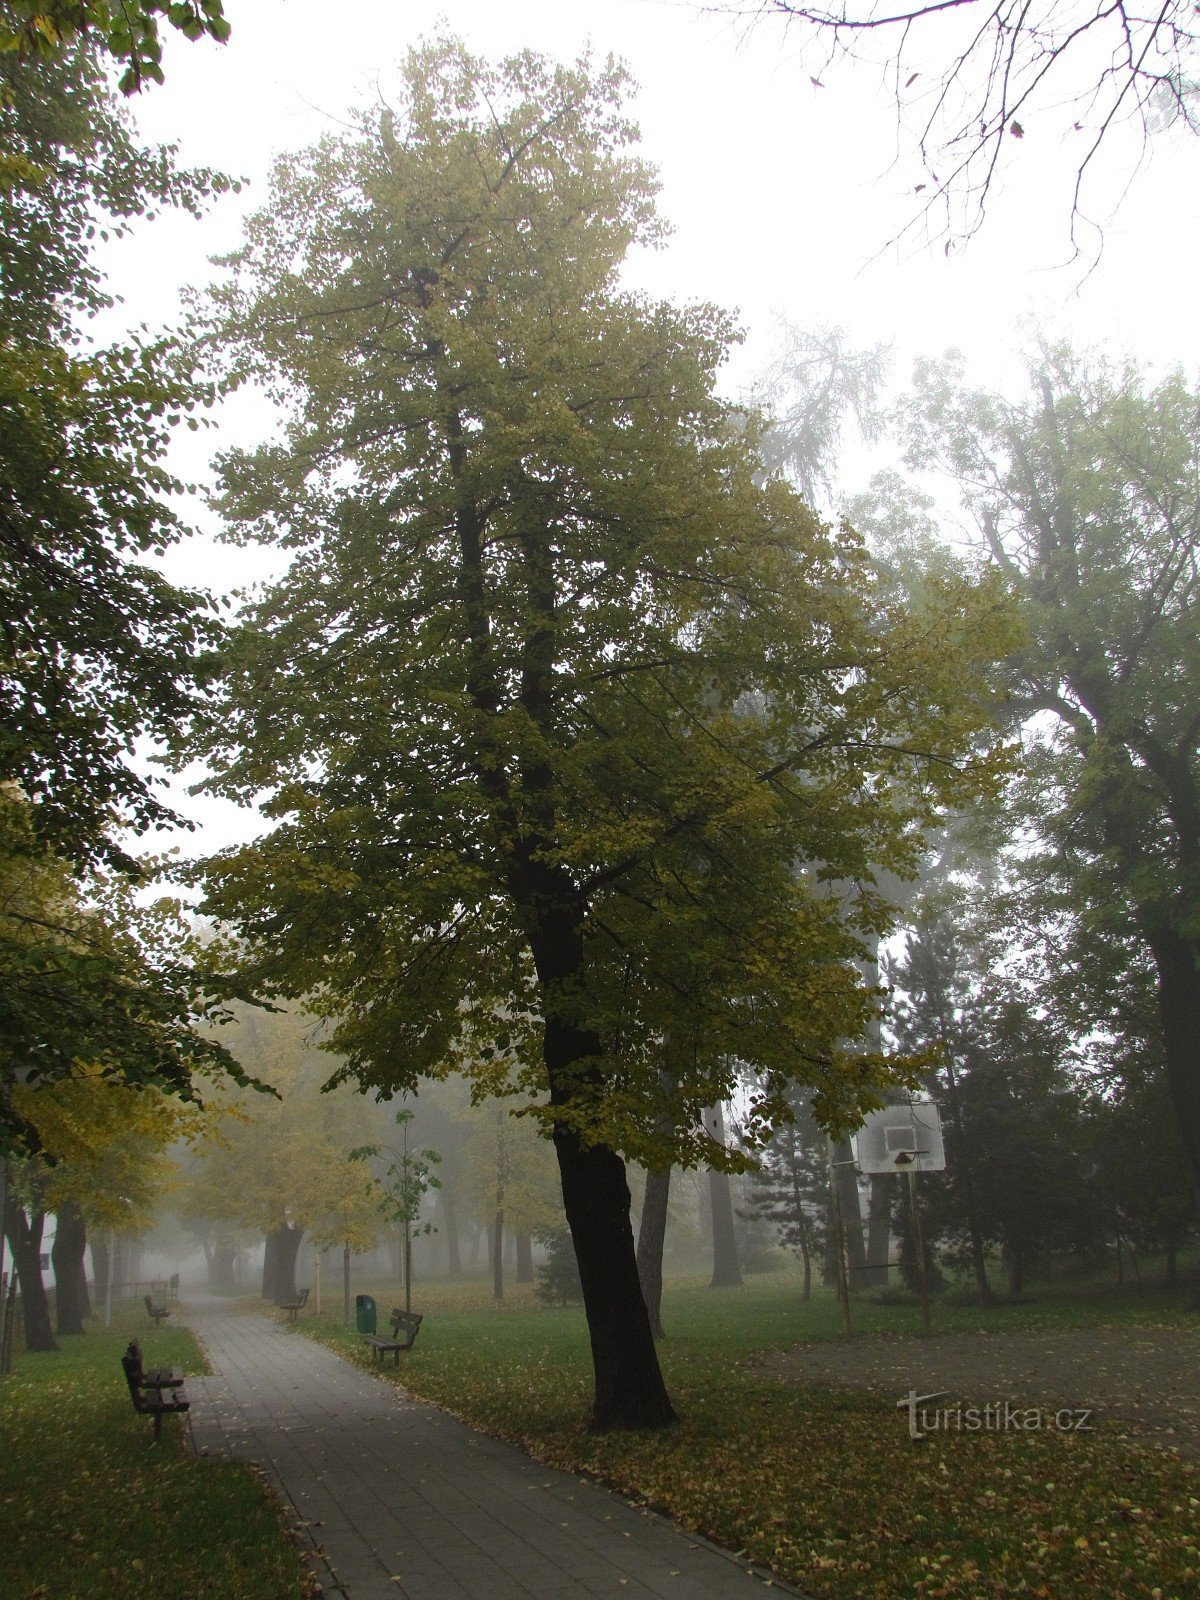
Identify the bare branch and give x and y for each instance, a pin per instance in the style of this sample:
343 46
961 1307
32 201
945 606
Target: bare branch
1094 65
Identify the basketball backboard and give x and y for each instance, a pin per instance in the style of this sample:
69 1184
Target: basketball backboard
904 1138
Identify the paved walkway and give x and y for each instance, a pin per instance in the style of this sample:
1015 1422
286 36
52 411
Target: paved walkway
405 1502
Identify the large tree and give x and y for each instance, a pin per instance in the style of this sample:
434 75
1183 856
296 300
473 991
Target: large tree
97 650
1087 497
581 738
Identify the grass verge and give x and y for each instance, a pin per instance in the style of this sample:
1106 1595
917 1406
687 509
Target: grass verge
91 1511
824 1487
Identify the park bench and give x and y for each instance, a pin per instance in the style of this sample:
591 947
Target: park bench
410 1321
296 1306
159 1313
157 1393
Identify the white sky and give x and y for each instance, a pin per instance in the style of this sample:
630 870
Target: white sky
783 196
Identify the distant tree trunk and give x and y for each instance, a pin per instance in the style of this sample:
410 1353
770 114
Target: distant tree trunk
524 1258
70 1277
652 1235
879 1231
279 1263
1015 1262
454 1266
801 1221
345 1283
122 1265
497 1242
479 1233
1172 1262
222 1266
852 1229
101 1267
966 1169
25 1241
270 1267
1176 959
727 1273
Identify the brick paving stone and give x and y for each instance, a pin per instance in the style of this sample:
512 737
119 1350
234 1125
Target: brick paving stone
404 1502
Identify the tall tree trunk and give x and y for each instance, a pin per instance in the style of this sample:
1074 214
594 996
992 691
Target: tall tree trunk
25 1242
1175 959
727 1273
70 1277
629 1387
879 1231
454 1265
524 1258
279 1262
652 1235
497 1242
852 1229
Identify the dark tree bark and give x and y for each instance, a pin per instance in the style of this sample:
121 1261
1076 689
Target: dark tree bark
1015 1262
279 1263
652 1235
629 1387
524 1257
71 1305
25 1242
727 1272
1175 959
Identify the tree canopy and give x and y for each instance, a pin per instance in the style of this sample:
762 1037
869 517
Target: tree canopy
1087 495
96 647
127 29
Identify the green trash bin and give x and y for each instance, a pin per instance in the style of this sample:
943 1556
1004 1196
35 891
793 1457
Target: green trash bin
364 1313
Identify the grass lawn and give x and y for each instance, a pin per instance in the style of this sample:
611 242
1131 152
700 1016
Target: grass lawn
825 1487
90 1511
